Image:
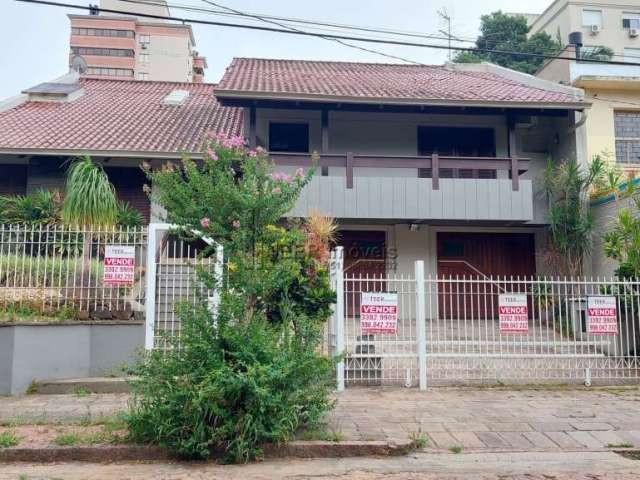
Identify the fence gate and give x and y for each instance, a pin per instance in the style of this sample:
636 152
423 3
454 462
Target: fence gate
172 277
465 330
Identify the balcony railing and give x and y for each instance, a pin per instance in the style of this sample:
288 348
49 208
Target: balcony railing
434 165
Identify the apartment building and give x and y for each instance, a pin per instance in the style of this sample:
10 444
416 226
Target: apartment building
614 24
108 45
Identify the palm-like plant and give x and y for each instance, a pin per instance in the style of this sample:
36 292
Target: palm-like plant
90 200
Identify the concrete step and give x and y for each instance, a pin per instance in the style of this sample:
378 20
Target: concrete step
82 385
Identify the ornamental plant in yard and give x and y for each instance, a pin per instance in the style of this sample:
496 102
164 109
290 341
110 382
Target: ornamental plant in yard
252 374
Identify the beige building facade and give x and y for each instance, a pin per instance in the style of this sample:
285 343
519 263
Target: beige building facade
613 23
110 45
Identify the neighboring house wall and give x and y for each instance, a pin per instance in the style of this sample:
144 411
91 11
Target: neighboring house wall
566 16
604 214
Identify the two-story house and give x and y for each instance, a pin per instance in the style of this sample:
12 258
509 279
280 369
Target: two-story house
440 163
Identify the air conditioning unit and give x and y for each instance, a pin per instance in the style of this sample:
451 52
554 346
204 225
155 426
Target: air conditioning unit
595 29
634 32
144 46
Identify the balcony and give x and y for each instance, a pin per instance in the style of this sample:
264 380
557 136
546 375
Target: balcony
414 188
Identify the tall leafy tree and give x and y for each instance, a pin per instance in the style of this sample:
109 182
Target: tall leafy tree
500 31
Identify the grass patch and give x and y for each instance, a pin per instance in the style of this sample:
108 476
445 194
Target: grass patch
8 439
320 433
455 449
620 445
419 439
81 392
67 439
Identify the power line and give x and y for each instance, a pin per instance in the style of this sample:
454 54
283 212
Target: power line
312 34
357 47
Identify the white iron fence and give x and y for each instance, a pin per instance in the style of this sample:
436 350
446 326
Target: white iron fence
53 270
479 329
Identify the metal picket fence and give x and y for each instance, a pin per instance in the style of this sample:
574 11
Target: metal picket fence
449 330
48 268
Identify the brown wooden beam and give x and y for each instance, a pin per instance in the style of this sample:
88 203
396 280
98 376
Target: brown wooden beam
435 171
349 165
513 153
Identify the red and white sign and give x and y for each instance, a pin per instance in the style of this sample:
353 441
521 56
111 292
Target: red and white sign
379 312
602 315
119 265
513 313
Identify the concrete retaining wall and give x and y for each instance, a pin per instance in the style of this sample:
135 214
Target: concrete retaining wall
31 352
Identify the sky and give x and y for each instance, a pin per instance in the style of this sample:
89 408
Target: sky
34 39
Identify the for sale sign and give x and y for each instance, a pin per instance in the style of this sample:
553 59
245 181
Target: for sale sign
379 312
119 265
513 313
602 315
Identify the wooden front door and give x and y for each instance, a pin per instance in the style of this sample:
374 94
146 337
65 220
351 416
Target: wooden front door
474 257
364 265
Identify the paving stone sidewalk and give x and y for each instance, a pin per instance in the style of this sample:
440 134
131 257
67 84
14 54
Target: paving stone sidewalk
475 419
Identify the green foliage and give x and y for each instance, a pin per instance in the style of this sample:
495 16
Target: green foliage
503 32
419 439
67 439
41 207
622 241
128 216
597 53
90 198
42 271
253 374
567 188
8 439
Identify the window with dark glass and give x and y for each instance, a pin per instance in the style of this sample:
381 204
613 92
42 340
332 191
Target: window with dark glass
288 137
105 52
457 142
627 131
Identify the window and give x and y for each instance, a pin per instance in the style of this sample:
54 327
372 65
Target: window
457 142
289 137
107 52
143 76
631 20
111 72
144 39
451 248
591 17
102 32
144 58
627 131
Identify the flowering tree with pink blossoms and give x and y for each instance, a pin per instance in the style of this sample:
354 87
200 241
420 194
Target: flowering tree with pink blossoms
253 374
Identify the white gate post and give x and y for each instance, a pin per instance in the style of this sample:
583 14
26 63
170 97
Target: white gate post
150 293
421 340
217 274
339 316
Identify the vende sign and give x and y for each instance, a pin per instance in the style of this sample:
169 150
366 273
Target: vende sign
379 312
119 265
602 315
513 313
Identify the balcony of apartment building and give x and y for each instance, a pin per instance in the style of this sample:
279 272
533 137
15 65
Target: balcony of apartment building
199 65
393 164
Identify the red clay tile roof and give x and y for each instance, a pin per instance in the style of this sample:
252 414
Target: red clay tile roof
297 79
119 115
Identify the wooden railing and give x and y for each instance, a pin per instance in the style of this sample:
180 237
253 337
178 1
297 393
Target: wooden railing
435 163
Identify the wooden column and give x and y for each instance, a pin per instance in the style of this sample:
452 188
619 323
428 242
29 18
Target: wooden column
349 166
324 148
435 171
252 127
513 154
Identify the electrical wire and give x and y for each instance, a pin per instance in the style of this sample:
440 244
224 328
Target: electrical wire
311 34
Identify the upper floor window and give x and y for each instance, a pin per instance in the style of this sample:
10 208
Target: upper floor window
627 131
111 72
631 20
143 57
144 39
288 137
109 52
143 76
592 17
102 32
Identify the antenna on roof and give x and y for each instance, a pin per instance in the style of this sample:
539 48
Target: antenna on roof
79 64
94 9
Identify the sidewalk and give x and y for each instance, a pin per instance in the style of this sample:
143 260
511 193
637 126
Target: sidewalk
476 419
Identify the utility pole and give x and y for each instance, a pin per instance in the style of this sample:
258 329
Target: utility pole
444 15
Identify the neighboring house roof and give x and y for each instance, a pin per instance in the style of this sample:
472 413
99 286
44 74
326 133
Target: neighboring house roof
123 117
382 83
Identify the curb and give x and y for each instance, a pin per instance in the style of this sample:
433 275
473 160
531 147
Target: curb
120 453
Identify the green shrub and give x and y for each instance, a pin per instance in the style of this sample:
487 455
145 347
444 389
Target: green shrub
8 439
232 388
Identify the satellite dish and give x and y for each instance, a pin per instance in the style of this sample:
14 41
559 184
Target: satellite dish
78 64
